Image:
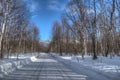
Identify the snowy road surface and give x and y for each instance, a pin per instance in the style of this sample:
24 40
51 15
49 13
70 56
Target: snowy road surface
48 68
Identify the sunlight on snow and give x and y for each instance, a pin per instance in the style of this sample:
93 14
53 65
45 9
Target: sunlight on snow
106 65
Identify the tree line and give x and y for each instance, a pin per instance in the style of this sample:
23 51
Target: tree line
89 27
17 33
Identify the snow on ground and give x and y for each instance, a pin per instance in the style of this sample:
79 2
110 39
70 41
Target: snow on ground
44 67
101 69
9 65
90 68
102 63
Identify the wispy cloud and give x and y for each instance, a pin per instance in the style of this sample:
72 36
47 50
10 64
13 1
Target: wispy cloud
56 5
34 7
34 16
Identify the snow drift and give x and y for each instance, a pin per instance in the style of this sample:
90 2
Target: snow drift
9 65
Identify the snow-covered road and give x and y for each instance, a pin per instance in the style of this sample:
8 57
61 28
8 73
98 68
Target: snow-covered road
47 67
44 68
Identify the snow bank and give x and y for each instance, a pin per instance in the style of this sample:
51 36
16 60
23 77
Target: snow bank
102 63
90 69
9 65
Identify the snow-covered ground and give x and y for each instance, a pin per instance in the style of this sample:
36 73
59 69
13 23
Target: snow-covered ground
44 67
101 69
11 64
102 63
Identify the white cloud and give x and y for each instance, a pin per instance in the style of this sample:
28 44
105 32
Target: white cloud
33 7
55 2
56 5
34 16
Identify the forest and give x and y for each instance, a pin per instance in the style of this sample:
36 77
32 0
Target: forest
88 27
17 33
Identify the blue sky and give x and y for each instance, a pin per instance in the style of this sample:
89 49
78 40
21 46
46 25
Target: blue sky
44 13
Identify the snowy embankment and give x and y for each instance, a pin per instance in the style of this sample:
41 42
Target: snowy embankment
93 69
9 65
102 63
